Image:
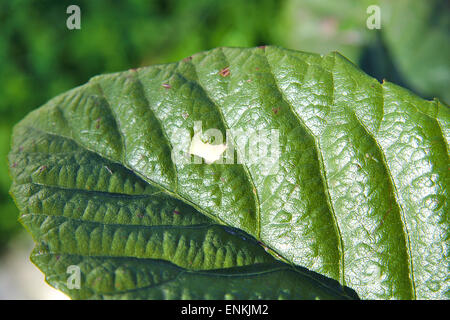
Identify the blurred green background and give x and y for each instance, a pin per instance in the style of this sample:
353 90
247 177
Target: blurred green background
40 57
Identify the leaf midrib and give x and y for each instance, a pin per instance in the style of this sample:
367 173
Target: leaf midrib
322 170
381 151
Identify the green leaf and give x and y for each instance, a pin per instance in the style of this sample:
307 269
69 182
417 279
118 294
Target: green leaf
358 191
130 240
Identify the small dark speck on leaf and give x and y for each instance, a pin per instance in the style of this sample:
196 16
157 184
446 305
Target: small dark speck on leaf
225 72
97 123
383 219
276 110
176 212
187 59
42 168
166 85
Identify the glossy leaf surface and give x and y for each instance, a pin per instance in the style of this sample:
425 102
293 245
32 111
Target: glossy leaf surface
358 192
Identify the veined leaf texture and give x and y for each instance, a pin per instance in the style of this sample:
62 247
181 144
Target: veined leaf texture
357 196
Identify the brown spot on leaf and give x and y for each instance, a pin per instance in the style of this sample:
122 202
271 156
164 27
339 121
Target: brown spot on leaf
176 212
187 59
276 110
97 123
225 72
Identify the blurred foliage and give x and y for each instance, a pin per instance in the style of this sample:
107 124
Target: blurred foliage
40 57
412 48
418 36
